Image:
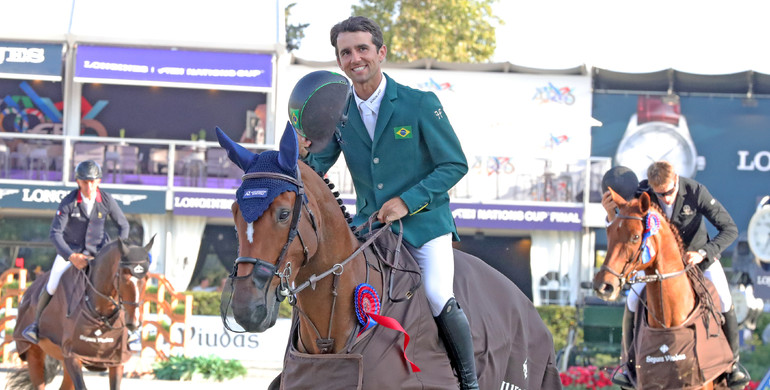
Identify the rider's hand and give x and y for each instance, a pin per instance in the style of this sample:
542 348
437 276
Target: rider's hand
303 143
693 257
79 260
392 210
609 205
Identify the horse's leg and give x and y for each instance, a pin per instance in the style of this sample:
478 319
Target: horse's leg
66 382
116 374
36 366
74 368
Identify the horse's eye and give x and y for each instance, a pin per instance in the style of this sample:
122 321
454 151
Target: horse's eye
284 215
635 238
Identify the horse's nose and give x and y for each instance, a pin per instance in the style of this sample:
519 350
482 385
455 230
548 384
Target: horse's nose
604 290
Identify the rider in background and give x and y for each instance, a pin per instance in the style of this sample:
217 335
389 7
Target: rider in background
686 202
78 231
404 156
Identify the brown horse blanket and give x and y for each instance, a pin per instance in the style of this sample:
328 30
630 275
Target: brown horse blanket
682 357
513 348
69 322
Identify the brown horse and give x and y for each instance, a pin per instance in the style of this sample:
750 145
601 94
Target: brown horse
679 302
298 244
86 322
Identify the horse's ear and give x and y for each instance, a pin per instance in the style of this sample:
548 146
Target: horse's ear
149 244
288 150
644 203
242 157
616 198
122 246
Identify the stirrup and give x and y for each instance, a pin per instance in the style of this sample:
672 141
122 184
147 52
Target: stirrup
31 333
738 378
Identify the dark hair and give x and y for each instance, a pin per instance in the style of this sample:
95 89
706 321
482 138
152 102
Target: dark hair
354 24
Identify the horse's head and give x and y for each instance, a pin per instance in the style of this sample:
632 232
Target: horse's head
132 279
119 276
270 211
630 246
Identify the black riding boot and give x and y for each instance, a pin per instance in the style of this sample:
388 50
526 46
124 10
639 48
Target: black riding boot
455 331
739 377
30 332
622 376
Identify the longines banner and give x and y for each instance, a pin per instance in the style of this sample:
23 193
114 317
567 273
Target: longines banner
48 198
203 205
38 61
128 65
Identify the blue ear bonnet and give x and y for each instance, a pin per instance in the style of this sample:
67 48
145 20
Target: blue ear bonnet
254 196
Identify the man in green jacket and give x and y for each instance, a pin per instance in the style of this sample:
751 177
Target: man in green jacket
403 156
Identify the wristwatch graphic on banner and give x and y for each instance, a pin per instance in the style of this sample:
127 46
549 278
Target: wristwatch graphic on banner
759 231
658 132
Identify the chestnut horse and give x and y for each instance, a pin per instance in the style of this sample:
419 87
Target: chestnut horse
298 244
86 322
678 300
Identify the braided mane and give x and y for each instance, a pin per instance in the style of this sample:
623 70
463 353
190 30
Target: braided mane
336 194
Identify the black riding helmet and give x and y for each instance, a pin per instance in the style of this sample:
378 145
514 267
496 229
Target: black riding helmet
622 180
88 170
317 104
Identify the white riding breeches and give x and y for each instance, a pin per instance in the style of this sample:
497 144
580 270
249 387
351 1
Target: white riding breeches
715 273
436 261
59 266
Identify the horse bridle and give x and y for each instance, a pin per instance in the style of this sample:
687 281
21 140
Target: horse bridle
263 272
631 261
636 258
122 264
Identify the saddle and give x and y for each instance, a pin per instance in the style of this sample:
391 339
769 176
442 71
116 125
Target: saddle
70 322
513 348
682 357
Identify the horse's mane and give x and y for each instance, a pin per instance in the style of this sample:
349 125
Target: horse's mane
336 195
680 244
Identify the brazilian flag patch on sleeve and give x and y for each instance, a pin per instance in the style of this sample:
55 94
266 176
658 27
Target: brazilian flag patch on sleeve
403 132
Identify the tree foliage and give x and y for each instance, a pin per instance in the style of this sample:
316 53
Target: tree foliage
294 32
444 30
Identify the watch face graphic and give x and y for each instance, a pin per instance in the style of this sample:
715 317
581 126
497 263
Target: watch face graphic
759 234
656 141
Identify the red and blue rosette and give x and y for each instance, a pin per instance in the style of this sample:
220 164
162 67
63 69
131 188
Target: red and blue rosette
367 305
366 302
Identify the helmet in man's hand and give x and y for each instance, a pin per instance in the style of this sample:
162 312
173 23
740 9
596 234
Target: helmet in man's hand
88 170
317 104
622 180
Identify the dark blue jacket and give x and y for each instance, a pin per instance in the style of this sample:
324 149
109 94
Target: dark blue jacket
693 203
72 231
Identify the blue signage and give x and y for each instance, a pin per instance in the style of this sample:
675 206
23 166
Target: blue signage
518 217
32 61
147 66
48 198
